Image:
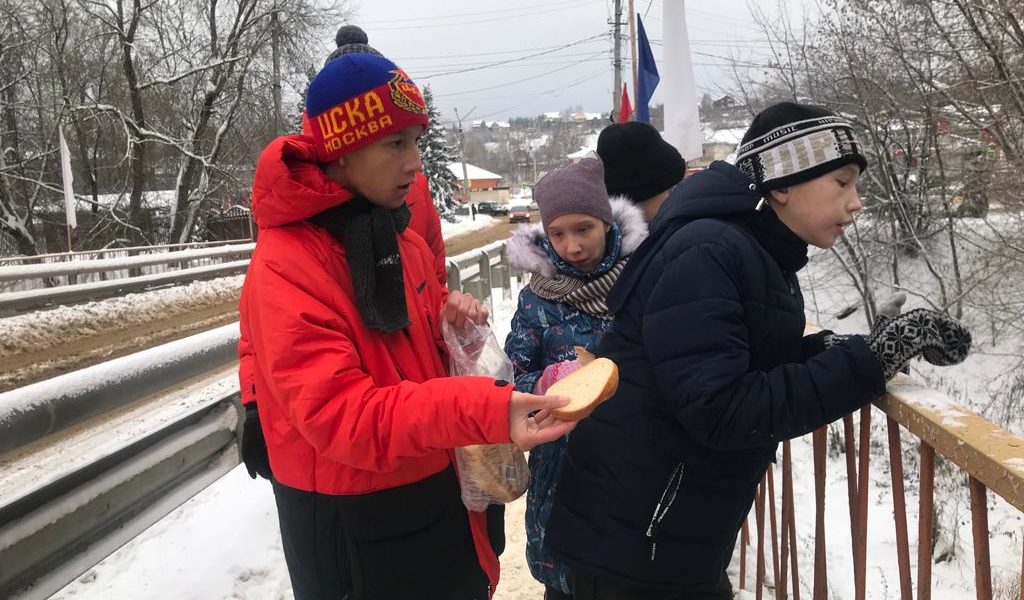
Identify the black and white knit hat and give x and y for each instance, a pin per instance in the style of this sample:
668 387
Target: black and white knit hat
351 38
789 143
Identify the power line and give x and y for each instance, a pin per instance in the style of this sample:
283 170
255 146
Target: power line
494 87
564 59
476 14
403 60
507 18
512 60
552 91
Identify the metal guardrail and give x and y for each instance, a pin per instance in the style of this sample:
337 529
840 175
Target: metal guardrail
58 257
53 270
14 302
53 531
474 272
55 534
479 271
60 271
32 412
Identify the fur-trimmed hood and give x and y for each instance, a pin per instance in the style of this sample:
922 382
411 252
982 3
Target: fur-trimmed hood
526 251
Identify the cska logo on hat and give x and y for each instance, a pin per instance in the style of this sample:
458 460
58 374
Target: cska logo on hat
405 94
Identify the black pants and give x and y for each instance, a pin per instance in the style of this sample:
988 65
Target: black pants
590 587
551 593
407 542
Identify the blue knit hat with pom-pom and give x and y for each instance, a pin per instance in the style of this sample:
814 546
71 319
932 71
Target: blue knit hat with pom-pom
359 97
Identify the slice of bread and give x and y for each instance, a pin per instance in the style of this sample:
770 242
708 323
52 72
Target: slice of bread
591 385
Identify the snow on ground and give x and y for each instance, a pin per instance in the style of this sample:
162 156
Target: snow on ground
465 224
38 330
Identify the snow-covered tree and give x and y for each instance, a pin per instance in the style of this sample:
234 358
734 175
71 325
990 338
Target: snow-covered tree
436 155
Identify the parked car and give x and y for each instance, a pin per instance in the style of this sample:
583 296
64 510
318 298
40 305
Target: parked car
519 214
491 208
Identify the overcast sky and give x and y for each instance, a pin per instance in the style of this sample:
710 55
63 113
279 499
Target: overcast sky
558 52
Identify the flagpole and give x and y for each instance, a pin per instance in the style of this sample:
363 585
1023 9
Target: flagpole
632 43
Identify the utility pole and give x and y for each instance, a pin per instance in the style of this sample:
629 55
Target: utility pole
462 151
632 45
275 35
617 60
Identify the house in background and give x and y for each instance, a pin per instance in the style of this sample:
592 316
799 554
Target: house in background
719 143
484 186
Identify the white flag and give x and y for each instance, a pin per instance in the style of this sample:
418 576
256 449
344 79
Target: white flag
682 121
69 180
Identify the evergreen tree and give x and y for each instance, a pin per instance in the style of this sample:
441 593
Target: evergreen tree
436 155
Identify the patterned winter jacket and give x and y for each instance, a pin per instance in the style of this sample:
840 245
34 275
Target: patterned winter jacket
544 331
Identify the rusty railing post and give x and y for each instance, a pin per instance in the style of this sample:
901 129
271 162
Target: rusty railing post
925 523
789 521
979 527
759 510
820 575
899 507
861 557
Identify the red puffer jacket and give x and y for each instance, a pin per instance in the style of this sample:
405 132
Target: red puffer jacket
346 410
424 221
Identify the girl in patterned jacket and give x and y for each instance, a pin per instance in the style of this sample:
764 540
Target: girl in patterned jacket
573 256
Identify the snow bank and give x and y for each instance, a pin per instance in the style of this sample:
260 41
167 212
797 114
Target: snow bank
465 225
62 325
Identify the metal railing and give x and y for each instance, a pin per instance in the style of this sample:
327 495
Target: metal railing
479 271
79 280
58 257
990 457
32 286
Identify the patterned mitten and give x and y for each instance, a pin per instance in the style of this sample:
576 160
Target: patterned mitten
553 373
920 332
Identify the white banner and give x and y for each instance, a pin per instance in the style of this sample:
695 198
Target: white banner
69 180
682 121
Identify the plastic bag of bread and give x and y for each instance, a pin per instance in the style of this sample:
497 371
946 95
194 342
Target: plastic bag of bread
488 474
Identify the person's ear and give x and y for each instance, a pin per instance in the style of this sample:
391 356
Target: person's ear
607 227
780 195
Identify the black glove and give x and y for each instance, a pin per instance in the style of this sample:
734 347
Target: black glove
941 340
254 446
887 310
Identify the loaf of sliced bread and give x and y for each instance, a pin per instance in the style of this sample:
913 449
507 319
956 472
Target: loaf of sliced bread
592 384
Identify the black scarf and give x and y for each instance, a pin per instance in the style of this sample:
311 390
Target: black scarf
788 250
369 234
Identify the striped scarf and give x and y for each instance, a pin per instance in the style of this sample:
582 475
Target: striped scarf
586 295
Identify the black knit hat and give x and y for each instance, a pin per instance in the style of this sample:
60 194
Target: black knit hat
351 38
638 164
790 143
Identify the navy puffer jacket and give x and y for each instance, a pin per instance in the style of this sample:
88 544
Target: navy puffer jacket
714 372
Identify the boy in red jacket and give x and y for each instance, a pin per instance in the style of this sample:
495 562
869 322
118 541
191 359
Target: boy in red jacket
341 311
